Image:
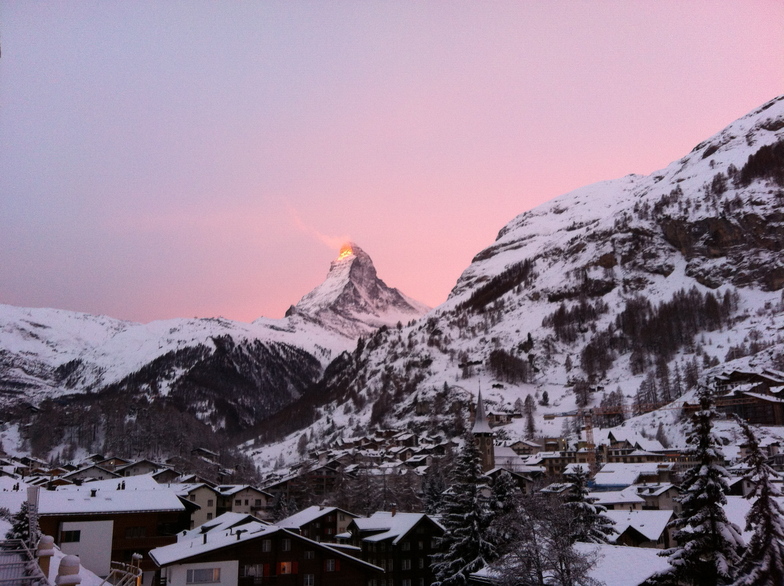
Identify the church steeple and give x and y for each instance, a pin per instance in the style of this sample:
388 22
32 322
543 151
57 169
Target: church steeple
483 434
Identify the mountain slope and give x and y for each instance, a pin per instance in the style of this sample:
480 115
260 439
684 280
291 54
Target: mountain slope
642 278
225 375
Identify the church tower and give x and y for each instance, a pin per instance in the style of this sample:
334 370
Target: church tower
484 436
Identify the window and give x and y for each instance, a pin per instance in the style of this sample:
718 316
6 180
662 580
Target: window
71 537
210 502
405 582
209 516
310 554
406 564
257 503
285 544
328 530
135 532
266 545
237 502
252 571
246 502
421 563
309 580
421 544
406 546
330 565
203 576
285 568
193 497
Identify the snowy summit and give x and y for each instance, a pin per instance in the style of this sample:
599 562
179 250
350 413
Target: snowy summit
353 300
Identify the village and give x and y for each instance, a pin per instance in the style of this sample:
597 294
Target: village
172 527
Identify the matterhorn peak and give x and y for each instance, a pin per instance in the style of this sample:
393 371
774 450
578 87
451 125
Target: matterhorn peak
353 300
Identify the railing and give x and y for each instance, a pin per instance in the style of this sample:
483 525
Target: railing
18 565
124 574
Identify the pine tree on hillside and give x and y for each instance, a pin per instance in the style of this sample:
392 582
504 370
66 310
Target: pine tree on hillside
763 561
466 516
708 544
589 524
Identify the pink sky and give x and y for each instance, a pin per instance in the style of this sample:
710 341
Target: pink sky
180 159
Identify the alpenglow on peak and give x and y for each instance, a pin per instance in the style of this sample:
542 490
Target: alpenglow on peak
353 300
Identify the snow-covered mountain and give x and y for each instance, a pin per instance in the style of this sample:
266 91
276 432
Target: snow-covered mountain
665 277
229 375
352 299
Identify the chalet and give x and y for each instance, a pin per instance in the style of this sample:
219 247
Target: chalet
113 463
166 476
525 482
619 500
659 496
319 523
102 524
553 463
526 447
756 396
224 522
91 472
243 498
641 528
202 495
618 475
138 468
630 447
400 543
256 553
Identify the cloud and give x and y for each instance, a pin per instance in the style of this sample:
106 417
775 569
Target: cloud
331 242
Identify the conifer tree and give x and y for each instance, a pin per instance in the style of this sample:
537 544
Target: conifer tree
465 515
763 560
504 497
20 526
589 524
708 544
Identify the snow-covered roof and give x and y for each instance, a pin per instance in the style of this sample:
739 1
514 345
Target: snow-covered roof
390 525
210 541
651 524
635 439
615 565
653 489
140 482
575 468
626 474
215 540
222 522
626 496
232 489
81 502
305 516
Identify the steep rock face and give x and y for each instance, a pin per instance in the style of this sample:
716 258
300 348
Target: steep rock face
353 300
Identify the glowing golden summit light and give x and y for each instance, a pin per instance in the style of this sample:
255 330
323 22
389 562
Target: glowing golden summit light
345 251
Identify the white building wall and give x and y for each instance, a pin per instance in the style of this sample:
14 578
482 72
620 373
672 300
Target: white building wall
229 572
94 547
